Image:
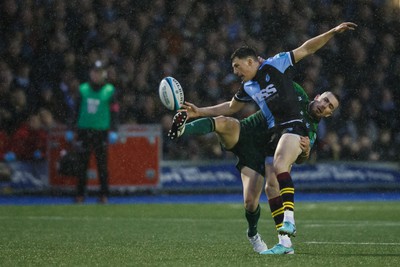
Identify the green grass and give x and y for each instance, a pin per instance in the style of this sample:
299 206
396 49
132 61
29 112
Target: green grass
329 234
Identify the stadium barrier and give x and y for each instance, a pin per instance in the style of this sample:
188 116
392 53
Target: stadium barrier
210 176
133 164
338 176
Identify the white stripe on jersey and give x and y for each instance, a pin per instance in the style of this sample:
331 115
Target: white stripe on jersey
286 122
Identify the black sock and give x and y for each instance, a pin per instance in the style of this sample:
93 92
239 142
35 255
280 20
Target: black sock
252 219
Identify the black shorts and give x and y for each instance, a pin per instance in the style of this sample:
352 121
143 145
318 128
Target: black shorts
296 127
254 139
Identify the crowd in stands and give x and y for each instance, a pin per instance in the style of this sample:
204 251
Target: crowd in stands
46 47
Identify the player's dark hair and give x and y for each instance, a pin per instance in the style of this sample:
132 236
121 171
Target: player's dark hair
244 52
336 96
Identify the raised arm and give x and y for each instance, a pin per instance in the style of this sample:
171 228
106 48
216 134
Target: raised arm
313 44
226 108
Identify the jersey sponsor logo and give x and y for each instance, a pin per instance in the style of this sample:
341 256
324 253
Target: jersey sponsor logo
92 105
265 93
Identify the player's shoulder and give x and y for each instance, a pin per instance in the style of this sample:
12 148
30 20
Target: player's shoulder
281 61
109 87
84 86
281 55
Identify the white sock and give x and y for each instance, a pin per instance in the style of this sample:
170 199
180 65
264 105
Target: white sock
285 241
288 216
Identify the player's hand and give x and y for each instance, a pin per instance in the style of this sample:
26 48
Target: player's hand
69 136
10 156
37 155
305 146
191 109
344 27
112 137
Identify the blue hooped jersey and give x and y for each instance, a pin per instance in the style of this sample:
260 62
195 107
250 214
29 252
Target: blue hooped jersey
272 90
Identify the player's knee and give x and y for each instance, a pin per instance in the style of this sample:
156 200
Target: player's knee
270 185
280 165
226 124
250 204
272 189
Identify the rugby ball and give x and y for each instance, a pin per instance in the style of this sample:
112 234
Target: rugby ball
171 93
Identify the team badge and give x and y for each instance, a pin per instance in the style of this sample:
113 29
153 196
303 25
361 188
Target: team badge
267 78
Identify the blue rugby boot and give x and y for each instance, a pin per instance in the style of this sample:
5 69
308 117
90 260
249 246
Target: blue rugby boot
287 228
278 249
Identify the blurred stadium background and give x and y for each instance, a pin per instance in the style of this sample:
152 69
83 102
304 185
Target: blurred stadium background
46 47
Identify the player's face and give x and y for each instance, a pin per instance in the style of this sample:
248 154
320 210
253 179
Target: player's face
245 68
324 105
98 76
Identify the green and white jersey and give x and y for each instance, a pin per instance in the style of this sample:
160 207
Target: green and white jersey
94 112
310 122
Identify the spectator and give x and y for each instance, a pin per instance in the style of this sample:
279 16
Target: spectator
385 149
53 42
358 125
19 108
68 93
29 141
388 117
52 99
47 120
329 147
4 143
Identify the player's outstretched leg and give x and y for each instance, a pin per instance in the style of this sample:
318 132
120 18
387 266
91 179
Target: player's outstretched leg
178 125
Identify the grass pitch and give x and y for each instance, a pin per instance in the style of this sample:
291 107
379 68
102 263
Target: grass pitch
329 234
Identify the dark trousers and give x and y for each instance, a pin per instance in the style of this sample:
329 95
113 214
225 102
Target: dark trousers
93 141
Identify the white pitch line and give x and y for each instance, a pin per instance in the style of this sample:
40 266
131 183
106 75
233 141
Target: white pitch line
364 224
86 218
351 243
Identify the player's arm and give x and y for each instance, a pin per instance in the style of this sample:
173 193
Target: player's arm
226 108
114 111
314 44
